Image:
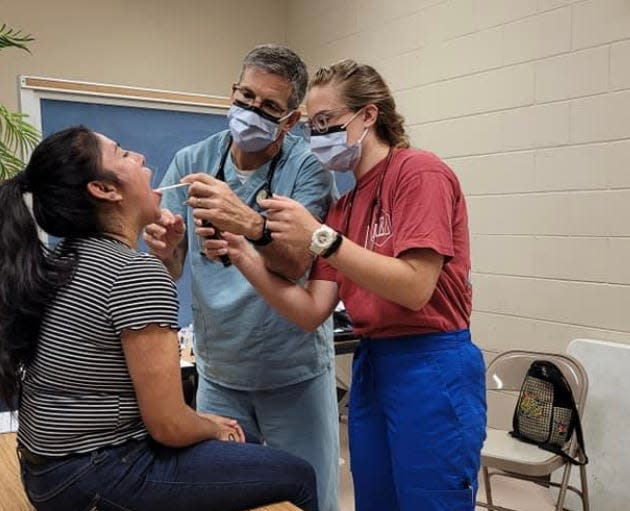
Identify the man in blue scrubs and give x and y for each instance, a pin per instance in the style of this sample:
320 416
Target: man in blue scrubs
276 379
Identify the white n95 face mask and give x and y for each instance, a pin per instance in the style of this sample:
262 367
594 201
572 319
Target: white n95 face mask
251 129
333 151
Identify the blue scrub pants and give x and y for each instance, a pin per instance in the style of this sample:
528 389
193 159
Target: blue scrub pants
302 419
417 422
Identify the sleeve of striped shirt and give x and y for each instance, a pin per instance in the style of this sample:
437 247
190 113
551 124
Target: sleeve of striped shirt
143 294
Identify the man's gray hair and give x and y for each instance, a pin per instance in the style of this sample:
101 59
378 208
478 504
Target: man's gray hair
283 62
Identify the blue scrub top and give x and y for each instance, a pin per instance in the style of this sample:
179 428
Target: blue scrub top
240 341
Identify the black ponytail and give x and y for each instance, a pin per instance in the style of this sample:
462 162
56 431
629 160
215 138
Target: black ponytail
30 273
28 279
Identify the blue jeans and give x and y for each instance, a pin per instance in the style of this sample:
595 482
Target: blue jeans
302 419
417 422
144 475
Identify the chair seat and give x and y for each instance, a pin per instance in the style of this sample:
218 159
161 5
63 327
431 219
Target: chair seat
504 452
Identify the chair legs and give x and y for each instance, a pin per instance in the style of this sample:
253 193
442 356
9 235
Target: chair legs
586 503
563 487
486 484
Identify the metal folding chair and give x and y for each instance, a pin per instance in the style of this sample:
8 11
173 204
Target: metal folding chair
505 456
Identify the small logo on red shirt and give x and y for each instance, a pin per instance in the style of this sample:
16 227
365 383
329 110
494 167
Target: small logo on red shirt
381 231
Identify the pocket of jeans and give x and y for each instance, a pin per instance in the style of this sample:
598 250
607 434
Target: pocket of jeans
46 482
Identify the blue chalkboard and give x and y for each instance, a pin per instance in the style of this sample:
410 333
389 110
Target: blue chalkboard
156 133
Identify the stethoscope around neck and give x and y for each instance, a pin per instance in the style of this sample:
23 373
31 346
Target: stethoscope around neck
375 203
265 191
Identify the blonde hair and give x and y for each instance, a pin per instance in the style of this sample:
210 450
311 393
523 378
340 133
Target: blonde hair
361 85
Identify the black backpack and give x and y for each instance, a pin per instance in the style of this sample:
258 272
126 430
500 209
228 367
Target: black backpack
545 412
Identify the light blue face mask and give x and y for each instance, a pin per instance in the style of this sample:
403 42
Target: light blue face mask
333 151
252 130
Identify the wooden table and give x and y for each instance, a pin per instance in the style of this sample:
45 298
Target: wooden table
345 342
281 506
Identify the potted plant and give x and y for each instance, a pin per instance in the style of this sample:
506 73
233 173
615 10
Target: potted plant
17 137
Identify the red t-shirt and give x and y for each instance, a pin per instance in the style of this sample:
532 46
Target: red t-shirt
421 206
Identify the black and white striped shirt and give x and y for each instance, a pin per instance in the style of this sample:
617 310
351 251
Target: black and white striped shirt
77 394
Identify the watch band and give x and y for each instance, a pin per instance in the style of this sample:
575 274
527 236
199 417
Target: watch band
333 247
265 238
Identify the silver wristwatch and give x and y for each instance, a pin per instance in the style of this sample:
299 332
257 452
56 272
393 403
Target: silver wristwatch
322 239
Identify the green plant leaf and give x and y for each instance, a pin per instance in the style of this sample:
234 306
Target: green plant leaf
17 136
14 38
9 163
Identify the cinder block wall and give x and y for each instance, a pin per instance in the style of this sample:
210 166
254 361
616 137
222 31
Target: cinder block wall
529 102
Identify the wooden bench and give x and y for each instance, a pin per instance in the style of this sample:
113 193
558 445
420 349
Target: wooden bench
281 506
13 498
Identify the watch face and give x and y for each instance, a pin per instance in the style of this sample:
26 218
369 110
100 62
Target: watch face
324 237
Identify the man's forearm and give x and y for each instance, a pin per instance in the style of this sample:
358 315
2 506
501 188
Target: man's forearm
285 260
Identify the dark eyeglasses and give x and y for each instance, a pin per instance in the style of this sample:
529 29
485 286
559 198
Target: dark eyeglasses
320 123
247 97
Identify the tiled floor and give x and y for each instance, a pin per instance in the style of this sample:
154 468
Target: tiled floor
518 495
346 493
506 492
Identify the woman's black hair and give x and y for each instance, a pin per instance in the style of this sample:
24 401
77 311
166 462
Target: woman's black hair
57 175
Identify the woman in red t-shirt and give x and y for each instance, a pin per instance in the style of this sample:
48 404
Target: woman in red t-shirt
395 249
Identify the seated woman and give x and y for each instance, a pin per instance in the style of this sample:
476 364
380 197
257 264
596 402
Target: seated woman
88 342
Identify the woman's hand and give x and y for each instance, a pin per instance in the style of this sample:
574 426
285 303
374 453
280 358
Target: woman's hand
289 221
229 429
234 246
163 236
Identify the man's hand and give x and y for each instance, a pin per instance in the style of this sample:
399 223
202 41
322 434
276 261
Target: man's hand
215 202
164 236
